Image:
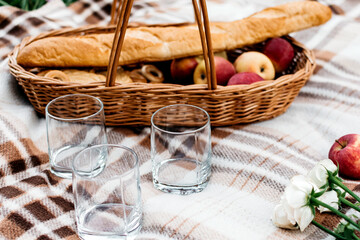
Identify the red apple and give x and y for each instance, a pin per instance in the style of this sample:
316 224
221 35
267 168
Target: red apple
223 68
280 52
345 152
244 78
182 70
255 62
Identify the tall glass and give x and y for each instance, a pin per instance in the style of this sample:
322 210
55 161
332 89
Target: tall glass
73 122
107 200
181 149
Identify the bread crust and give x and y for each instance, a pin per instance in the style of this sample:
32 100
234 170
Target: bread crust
160 43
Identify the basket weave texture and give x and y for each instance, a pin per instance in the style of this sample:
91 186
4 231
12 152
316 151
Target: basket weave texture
132 104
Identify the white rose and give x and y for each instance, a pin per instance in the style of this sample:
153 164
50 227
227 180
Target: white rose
280 218
318 175
303 217
298 191
293 210
330 198
288 209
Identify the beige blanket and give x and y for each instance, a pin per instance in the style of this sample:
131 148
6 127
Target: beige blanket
251 163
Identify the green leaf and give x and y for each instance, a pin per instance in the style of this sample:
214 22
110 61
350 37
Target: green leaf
3 3
340 228
24 4
15 3
318 194
29 5
68 2
313 210
37 4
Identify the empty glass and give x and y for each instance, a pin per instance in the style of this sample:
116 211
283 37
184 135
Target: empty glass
181 149
73 122
108 198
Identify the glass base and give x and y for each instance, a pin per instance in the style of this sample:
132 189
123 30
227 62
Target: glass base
181 190
131 236
61 172
181 175
60 160
60 169
109 221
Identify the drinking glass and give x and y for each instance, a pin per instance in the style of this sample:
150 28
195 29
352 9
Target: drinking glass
108 199
73 122
181 149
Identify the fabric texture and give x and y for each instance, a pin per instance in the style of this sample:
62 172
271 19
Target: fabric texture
251 164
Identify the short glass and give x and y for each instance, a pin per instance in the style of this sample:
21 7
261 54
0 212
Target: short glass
73 122
107 199
181 149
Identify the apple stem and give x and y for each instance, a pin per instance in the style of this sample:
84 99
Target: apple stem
327 230
346 189
342 146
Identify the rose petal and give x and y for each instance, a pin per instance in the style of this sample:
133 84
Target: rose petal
330 198
297 192
302 183
329 165
318 175
303 216
294 197
280 218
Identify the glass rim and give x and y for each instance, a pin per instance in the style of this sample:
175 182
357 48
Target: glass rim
133 153
74 119
185 132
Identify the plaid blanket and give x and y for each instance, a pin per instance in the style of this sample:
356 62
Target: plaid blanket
251 163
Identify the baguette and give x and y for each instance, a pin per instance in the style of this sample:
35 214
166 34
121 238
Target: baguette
160 43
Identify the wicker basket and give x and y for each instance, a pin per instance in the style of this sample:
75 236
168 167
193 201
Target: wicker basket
132 104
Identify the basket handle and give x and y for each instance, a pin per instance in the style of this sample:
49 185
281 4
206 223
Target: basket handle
122 22
114 10
121 13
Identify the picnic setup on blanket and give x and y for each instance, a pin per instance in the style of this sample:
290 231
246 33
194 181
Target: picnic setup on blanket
202 119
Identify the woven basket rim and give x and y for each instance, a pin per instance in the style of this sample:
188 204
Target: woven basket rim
20 71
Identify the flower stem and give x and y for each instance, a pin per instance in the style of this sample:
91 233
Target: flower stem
327 230
340 184
350 204
355 237
337 212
